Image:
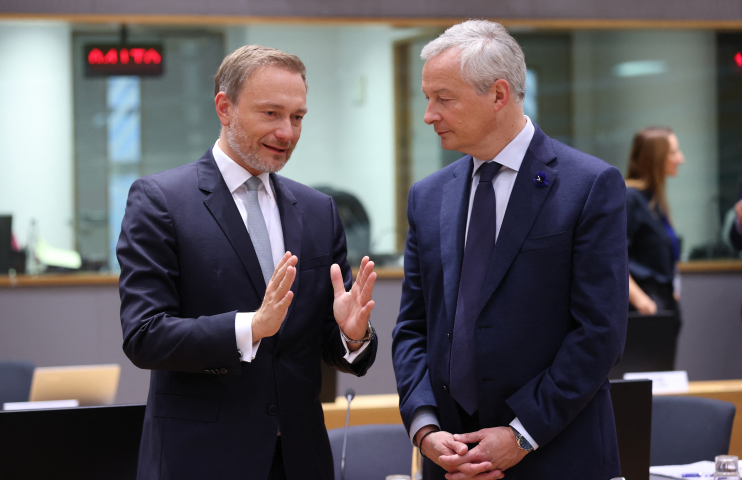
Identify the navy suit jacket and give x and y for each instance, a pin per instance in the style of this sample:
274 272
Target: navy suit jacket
552 314
187 267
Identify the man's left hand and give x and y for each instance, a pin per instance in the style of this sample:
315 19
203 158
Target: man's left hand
495 445
353 309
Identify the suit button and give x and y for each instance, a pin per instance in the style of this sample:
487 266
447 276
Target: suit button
207 371
223 371
445 388
278 355
448 336
272 410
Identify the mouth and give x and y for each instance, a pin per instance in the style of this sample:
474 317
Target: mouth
442 132
277 150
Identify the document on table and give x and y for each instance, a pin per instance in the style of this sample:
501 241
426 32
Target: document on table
704 469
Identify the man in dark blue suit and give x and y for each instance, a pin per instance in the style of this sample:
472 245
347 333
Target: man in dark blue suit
233 289
516 283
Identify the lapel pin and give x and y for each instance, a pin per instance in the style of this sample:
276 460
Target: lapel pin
541 180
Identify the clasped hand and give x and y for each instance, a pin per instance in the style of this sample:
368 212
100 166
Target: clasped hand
495 452
352 309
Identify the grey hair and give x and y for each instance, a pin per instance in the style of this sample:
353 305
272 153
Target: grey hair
487 52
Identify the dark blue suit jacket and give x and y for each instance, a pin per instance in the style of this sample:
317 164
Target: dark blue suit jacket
552 319
187 267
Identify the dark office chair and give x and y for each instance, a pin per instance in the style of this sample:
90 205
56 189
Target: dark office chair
15 381
689 429
372 451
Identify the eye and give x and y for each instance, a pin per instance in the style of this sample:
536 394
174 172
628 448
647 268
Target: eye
271 113
298 117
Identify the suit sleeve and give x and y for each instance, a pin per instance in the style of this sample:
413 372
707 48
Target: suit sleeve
598 306
155 336
333 349
409 344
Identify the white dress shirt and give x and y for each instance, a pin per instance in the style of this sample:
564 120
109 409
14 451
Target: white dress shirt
235 177
511 157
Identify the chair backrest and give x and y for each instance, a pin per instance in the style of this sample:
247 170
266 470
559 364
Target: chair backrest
689 429
15 381
372 451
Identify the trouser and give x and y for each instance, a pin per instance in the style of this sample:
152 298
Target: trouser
278 472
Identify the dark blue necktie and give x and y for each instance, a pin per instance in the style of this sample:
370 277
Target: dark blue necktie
480 243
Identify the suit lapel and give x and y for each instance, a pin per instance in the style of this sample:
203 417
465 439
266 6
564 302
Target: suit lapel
454 210
291 223
523 207
220 203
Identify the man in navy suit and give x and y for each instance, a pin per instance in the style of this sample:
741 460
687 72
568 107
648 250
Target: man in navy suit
515 292
233 289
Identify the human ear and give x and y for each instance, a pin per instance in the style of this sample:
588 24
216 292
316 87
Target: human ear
223 108
500 93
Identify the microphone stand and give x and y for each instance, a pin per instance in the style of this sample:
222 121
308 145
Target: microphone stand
349 394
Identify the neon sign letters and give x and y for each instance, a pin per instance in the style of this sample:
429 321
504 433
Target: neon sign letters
140 60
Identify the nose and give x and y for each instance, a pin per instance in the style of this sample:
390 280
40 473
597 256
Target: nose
431 115
284 131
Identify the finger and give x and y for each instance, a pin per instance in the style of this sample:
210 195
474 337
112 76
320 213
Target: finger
337 280
365 314
285 302
473 469
473 437
280 270
452 460
361 276
368 288
493 475
280 265
458 476
458 448
286 281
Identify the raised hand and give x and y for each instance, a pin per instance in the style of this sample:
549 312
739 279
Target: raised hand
496 446
278 296
353 309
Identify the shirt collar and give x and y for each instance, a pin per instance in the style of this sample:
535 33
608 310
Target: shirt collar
234 175
512 155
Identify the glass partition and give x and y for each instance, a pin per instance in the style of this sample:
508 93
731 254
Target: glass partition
364 140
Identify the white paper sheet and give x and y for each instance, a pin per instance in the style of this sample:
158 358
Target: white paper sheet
704 469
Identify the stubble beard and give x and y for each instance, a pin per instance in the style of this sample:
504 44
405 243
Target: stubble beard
236 137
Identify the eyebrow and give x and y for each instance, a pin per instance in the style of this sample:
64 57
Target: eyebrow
278 106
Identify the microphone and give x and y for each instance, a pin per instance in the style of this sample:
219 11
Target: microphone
349 394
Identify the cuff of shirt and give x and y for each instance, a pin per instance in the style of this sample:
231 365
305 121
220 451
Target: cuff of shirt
243 333
519 426
350 356
422 417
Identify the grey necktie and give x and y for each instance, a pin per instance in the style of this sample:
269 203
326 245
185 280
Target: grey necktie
257 229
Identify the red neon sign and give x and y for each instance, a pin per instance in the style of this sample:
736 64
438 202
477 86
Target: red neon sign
104 60
738 59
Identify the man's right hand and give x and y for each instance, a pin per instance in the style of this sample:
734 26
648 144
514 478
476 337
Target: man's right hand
442 443
278 296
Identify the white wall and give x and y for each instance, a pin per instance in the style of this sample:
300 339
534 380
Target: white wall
609 109
348 136
36 128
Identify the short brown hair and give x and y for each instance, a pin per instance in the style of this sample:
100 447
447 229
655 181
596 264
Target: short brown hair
647 161
243 62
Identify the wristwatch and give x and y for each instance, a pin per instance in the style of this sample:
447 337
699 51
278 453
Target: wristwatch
370 335
523 444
